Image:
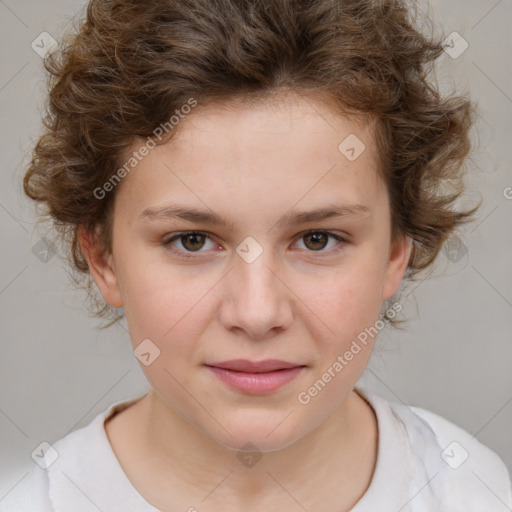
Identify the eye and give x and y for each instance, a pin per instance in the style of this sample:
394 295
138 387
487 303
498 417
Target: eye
193 241
317 240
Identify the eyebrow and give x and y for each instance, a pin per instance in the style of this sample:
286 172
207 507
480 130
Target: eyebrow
168 212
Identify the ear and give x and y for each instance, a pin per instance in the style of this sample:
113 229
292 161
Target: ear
101 267
397 265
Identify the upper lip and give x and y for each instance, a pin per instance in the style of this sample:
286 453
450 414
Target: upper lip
244 365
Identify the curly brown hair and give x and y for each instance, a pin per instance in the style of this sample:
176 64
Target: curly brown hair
129 64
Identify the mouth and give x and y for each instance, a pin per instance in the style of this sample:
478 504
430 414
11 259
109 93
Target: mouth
253 377
244 365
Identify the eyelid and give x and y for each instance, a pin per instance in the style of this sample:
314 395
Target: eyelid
343 240
179 234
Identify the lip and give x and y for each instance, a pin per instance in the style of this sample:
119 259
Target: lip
244 365
256 378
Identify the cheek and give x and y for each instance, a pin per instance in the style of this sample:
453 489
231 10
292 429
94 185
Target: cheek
172 307
349 304
347 299
170 304
156 298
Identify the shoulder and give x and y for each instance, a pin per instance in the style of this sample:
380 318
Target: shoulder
474 476
443 466
69 466
29 494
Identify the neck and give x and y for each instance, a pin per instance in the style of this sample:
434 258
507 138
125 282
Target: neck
339 454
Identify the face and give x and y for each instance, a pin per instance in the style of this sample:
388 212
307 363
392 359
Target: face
262 282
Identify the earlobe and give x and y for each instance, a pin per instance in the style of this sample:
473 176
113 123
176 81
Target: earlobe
397 266
101 267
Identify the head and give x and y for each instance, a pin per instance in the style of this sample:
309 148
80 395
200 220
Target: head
251 113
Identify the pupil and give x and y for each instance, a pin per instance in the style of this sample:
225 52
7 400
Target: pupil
315 237
195 245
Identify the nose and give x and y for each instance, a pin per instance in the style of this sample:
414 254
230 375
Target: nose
255 295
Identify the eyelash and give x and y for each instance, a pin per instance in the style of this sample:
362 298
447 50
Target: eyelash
192 255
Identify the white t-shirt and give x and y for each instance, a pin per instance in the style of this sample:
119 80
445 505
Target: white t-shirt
424 463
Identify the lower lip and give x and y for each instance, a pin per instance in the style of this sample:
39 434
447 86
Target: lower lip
256 383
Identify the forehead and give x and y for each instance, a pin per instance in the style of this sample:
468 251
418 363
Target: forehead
239 124
287 146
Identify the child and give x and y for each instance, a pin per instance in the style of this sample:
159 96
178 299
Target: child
196 154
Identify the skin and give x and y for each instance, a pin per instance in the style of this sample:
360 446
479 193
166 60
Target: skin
299 300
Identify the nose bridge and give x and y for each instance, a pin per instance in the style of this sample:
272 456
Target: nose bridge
256 299
254 266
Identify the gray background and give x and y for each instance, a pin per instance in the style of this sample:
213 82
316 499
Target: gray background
58 371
